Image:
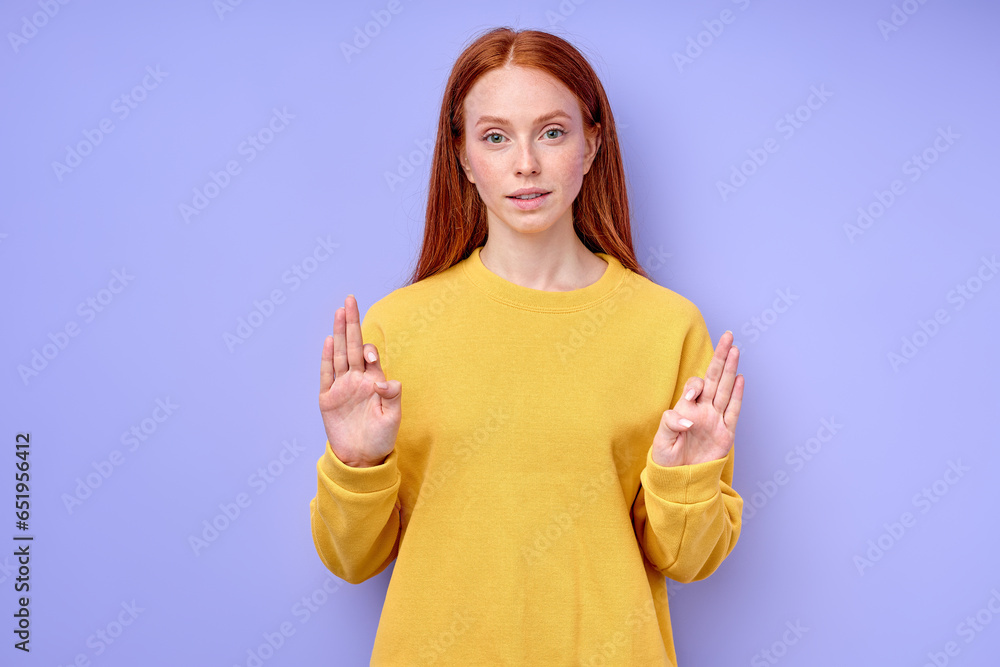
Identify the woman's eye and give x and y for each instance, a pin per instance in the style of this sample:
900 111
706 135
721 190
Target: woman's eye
547 133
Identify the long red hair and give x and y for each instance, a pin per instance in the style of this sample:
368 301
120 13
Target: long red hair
456 216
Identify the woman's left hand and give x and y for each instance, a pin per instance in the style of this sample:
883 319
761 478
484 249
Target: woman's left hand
702 426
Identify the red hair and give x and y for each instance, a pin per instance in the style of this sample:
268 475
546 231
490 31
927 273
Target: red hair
456 216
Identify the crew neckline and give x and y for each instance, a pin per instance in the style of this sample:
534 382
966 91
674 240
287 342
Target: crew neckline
527 298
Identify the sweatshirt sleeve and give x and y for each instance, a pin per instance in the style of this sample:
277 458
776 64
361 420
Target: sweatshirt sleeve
355 513
688 518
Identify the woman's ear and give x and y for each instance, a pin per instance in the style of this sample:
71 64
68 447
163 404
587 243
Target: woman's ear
463 159
593 145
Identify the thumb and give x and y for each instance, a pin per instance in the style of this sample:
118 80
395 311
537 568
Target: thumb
672 424
391 392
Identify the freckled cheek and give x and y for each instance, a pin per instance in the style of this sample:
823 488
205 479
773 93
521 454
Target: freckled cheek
570 168
487 175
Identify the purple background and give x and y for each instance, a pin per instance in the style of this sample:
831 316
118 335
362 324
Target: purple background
325 175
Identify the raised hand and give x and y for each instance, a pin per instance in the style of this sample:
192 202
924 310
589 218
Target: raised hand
361 417
702 426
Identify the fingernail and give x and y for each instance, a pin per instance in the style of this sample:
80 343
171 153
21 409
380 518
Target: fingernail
688 396
371 357
686 422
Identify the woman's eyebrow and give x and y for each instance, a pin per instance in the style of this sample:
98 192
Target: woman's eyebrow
496 120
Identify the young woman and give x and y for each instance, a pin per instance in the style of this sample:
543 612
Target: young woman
568 432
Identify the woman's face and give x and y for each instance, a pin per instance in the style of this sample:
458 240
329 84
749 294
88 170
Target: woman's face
524 130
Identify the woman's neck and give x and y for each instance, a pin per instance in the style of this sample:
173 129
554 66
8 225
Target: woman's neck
549 267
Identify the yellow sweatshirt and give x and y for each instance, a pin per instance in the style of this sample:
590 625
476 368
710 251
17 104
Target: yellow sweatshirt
528 521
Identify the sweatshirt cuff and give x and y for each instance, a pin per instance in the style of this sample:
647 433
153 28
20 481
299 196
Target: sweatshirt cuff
693 483
359 480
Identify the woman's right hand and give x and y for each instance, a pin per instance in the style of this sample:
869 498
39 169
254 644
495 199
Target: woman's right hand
361 419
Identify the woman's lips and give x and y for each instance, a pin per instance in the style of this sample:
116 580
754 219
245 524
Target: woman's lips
529 204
